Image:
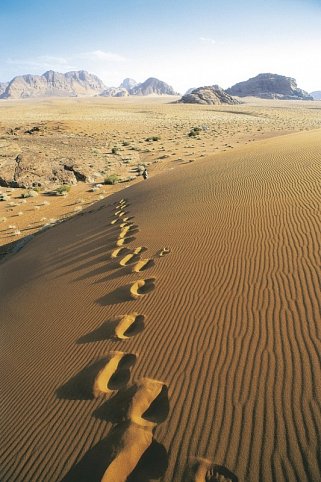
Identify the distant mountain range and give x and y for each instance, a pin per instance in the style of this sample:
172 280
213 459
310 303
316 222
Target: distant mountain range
82 83
75 84
269 86
70 84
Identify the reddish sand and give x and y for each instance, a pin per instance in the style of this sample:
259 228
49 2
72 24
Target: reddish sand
227 319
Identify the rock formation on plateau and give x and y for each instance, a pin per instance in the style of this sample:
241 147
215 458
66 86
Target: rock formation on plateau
269 86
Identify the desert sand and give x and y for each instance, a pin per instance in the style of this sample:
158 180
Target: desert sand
171 331
88 130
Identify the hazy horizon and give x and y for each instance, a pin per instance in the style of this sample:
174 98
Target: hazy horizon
186 44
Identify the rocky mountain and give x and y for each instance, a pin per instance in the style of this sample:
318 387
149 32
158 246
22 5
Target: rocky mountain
211 95
128 84
151 86
70 84
316 94
269 86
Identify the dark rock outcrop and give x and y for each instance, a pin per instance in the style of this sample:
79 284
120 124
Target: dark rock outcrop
269 86
27 171
210 95
70 84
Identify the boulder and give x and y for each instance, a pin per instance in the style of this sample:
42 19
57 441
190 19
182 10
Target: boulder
210 95
28 171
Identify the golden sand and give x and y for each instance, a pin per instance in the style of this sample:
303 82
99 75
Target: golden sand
230 335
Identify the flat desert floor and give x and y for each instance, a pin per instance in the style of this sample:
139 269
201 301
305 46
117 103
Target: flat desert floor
172 330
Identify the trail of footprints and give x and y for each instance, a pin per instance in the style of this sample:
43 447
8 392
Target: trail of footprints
145 404
149 405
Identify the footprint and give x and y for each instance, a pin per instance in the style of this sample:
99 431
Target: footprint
102 375
120 203
143 264
124 225
122 200
122 241
115 374
128 450
118 251
142 287
129 325
123 232
164 251
139 249
203 470
149 405
128 454
128 259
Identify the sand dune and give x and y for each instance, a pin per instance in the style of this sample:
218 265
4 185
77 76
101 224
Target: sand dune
231 334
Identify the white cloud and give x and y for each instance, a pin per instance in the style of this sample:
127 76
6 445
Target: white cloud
100 55
94 60
208 40
41 62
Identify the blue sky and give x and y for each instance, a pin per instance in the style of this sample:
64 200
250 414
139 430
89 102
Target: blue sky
186 43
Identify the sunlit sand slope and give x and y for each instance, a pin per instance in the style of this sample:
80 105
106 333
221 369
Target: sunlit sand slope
197 357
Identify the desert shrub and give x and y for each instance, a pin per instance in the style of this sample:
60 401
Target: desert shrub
63 190
194 131
111 179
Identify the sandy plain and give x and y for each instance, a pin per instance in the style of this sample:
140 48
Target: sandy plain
87 129
171 331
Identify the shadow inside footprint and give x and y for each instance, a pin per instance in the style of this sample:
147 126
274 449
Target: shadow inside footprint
158 410
142 287
121 376
136 327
